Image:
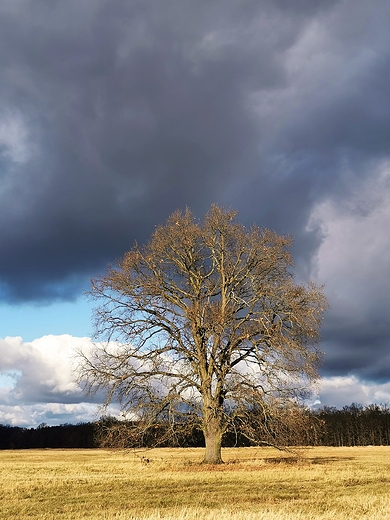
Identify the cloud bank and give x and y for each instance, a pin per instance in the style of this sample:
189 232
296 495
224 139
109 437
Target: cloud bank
37 384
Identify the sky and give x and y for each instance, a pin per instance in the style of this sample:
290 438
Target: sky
114 113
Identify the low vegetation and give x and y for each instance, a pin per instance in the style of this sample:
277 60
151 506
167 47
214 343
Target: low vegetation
253 484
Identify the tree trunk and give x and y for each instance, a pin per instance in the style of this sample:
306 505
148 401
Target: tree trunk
212 432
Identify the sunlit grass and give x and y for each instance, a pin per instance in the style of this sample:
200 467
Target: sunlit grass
254 484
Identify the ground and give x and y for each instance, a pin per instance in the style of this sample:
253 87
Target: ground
253 484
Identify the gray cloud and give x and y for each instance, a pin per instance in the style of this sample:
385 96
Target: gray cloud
125 111
353 261
113 114
37 382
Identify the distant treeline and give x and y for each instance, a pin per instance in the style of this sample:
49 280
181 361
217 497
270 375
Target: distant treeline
353 425
63 436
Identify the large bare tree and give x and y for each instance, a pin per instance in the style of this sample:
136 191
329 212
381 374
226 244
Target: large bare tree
205 322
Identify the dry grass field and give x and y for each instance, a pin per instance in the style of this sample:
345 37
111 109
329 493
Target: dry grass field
254 484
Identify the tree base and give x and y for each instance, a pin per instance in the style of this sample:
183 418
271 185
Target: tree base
214 463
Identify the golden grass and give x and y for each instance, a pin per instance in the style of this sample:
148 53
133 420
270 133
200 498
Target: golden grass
254 484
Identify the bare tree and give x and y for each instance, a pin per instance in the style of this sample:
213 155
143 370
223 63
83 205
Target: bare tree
204 321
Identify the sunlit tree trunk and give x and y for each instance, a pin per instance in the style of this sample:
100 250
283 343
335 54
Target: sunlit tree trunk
212 431
213 440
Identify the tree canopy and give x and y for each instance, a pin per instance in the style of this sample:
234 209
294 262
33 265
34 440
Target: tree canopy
205 325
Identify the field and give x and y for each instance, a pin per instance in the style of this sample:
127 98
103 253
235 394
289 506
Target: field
253 484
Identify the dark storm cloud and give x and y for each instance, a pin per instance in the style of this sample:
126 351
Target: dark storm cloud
126 110
115 113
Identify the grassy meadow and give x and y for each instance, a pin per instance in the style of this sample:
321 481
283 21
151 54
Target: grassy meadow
253 484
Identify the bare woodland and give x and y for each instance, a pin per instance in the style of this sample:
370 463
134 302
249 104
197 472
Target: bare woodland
205 327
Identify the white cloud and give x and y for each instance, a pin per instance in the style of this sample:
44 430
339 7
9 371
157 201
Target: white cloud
341 391
50 413
41 368
37 381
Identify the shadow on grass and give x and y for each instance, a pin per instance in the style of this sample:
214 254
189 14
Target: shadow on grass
302 459
283 460
329 460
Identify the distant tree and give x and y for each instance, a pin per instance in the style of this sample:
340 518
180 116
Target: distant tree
355 425
201 325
